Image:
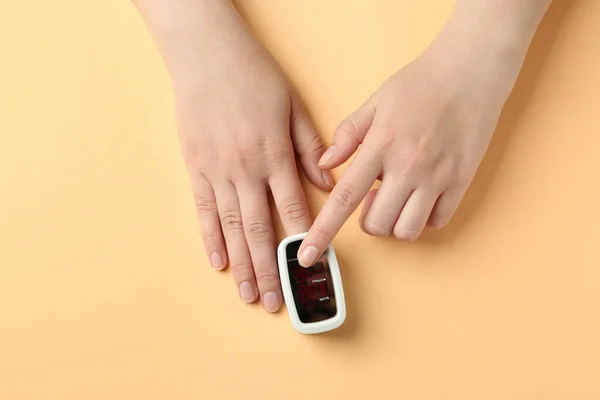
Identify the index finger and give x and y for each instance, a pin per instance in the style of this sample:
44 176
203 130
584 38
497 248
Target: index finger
343 200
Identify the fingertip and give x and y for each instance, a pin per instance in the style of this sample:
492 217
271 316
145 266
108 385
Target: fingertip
271 302
308 256
218 261
367 203
328 179
321 178
327 157
407 235
437 222
248 293
337 159
414 216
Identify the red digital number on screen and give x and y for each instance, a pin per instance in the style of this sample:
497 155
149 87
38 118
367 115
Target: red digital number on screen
312 283
303 291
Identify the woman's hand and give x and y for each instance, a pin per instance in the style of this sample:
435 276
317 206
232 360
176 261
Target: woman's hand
239 124
426 130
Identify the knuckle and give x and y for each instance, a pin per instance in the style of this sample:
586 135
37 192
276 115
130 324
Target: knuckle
452 175
205 204
445 177
344 198
383 137
277 155
292 210
231 221
209 238
237 160
258 229
449 172
239 155
384 140
241 269
412 153
322 233
267 276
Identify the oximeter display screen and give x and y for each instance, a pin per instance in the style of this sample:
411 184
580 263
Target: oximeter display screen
312 288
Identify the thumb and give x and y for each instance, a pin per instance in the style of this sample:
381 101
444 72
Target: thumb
349 135
308 145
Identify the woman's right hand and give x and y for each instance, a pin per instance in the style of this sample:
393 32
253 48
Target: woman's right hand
240 127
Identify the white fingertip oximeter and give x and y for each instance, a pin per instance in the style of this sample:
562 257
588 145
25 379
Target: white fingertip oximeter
314 296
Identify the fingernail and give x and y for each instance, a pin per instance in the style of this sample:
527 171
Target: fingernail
308 256
271 302
247 293
327 178
217 261
327 156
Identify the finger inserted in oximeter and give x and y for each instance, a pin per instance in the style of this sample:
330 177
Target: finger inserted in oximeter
314 296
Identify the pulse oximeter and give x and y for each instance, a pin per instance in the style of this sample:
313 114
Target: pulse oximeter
314 296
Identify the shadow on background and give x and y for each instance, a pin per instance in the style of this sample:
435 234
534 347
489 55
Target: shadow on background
516 104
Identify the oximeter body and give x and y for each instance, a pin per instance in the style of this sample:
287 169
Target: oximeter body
314 296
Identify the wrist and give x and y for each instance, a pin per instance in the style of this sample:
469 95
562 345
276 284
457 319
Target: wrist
502 25
185 27
484 43
493 35
198 39
166 16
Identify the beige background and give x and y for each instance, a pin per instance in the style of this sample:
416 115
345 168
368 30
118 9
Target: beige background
105 292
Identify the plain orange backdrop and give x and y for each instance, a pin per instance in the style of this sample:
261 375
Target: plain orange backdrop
105 291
